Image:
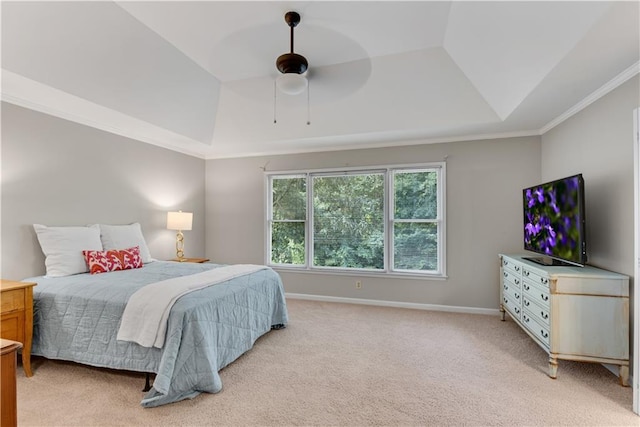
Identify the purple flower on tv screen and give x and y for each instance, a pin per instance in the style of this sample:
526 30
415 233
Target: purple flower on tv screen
552 219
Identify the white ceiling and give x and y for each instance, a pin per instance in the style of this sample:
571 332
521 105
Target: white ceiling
198 76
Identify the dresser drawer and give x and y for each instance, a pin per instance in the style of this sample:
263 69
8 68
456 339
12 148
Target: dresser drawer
511 278
540 331
535 277
541 314
512 307
12 326
12 300
512 292
511 266
536 294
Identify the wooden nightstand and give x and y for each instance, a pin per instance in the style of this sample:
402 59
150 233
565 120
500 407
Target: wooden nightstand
9 407
16 321
196 260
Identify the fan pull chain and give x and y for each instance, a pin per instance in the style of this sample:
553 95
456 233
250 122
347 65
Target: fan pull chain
308 104
275 94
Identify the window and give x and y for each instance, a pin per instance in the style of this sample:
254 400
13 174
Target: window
415 220
387 220
288 222
348 221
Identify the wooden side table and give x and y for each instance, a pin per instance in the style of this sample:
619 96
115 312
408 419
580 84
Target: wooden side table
8 400
196 260
16 321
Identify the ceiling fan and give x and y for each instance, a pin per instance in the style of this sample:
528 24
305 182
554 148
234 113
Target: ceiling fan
293 66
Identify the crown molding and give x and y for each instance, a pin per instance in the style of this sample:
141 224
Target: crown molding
27 93
593 97
387 140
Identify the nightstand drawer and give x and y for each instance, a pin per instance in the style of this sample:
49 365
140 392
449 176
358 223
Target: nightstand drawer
12 300
12 326
16 308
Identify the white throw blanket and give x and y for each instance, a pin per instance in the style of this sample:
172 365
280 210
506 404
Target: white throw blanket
146 314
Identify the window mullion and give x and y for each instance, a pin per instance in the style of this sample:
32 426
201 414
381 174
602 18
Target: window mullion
389 217
309 226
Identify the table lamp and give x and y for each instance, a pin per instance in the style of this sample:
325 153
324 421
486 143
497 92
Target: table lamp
180 221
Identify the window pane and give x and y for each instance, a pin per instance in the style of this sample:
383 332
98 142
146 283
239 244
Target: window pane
415 195
415 246
348 221
287 243
289 197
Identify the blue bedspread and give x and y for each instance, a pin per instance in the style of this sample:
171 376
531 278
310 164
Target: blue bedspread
77 318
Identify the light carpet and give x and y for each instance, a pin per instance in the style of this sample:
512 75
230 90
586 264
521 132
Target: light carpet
353 365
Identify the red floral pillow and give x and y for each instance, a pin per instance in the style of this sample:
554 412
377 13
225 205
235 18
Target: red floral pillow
113 260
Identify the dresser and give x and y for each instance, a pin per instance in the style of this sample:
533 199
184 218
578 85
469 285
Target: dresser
8 399
573 313
16 321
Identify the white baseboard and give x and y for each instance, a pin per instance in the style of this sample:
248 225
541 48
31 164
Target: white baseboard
431 307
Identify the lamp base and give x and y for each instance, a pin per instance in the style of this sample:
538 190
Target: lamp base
180 246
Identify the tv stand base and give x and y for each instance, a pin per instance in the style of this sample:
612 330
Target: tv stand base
549 262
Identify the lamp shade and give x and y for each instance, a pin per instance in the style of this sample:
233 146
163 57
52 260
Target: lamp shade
292 83
179 220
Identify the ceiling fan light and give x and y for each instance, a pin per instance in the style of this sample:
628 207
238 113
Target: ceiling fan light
292 83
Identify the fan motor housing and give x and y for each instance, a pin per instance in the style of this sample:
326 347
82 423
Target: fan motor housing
292 63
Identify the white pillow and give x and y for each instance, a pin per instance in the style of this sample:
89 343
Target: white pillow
125 236
63 246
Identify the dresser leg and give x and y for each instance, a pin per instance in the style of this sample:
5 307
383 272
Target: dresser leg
624 375
502 313
553 367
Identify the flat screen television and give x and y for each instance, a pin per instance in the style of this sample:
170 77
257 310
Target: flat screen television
554 221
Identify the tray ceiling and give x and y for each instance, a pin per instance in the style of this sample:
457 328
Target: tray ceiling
198 77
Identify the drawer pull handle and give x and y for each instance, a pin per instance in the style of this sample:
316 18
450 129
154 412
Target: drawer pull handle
517 296
544 315
544 334
544 297
526 303
544 281
517 281
526 287
517 268
526 319
505 274
526 273
517 310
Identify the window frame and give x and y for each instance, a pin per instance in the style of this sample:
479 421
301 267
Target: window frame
388 208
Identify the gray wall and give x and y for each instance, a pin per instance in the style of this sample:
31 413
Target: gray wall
598 142
484 215
56 172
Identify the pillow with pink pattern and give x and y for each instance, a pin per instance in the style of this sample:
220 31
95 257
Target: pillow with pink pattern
113 260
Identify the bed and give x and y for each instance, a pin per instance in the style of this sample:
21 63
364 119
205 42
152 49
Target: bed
77 318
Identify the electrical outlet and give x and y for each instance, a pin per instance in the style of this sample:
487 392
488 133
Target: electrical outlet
358 284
